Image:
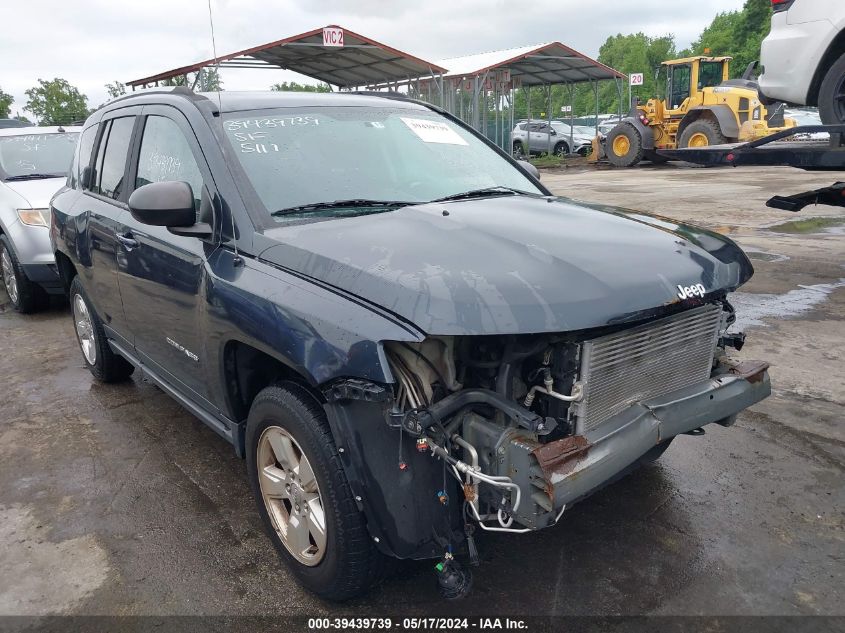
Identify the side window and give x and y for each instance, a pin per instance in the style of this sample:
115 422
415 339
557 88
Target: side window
83 155
112 161
165 155
93 184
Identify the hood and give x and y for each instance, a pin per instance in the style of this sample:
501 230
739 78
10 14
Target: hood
37 193
511 265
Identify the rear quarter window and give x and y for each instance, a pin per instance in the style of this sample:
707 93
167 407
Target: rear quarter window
82 158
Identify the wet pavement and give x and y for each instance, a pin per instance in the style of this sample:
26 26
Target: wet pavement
114 500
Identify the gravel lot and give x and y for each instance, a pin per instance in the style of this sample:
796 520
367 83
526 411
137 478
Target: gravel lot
114 500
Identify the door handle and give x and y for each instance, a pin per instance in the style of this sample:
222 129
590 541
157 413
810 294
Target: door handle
127 240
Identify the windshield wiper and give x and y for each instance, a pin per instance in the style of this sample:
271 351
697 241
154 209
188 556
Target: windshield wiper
481 193
34 177
356 203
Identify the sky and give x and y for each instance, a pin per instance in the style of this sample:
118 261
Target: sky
94 42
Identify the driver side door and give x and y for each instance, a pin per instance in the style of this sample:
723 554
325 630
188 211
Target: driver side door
162 279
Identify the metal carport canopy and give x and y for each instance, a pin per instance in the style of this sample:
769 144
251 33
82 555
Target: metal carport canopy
360 61
538 65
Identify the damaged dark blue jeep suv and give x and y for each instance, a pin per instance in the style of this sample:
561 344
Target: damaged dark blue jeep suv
404 333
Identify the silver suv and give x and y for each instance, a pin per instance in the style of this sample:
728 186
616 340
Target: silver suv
537 137
34 163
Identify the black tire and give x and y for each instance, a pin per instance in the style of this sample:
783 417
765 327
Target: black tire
832 94
26 296
561 149
351 563
518 150
706 128
624 155
106 366
654 453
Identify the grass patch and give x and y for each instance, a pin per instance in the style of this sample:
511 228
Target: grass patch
546 161
810 225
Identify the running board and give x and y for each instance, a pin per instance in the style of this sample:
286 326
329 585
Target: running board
221 427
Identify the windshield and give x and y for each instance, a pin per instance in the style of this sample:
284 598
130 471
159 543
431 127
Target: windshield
37 155
304 156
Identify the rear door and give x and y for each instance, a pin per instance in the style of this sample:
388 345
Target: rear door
540 137
102 204
162 282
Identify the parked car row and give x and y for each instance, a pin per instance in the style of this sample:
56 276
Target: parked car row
555 137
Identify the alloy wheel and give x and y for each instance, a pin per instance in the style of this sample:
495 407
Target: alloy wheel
291 495
9 278
84 329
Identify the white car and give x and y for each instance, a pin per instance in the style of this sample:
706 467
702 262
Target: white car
538 138
803 56
34 163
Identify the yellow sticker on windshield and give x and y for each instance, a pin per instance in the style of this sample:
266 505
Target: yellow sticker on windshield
434 131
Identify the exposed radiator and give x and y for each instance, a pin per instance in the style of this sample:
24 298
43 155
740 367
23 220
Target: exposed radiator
650 360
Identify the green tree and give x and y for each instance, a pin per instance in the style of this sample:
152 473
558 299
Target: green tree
56 102
208 80
292 86
116 89
737 34
6 101
204 80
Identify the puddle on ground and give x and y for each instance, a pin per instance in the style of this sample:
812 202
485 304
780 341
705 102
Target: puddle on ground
810 225
766 257
751 309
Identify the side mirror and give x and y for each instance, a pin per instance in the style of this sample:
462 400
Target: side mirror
553 132
169 203
529 168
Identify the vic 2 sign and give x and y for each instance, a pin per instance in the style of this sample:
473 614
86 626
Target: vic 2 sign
636 79
332 36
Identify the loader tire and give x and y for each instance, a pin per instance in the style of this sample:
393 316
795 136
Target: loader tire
624 146
702 133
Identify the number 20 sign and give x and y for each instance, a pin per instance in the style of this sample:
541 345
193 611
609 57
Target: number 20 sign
636 79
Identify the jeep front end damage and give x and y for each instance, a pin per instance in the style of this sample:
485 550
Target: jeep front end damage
503 433
527 425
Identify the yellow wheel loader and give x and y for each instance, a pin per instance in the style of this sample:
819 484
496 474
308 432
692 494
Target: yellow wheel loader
702 107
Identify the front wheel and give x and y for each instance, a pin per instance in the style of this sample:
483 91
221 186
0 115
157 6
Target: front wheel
832 94
624 146
24 295
702 133
518 150
561 149
303 496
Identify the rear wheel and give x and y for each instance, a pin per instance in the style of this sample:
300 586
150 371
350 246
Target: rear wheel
561 149
832 94
702 133
24 295
102 362
303 496
624 146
